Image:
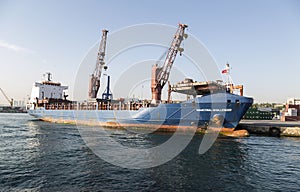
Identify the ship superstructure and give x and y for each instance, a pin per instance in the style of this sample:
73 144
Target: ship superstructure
46 92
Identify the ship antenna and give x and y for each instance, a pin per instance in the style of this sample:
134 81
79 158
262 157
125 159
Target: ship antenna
49 76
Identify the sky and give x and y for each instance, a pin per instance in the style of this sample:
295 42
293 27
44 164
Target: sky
259 39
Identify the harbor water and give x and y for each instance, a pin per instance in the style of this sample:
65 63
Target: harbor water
41 156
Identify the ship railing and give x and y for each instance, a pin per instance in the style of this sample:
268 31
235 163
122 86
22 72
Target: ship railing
95 106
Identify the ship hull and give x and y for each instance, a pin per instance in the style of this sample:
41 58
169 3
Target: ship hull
219 110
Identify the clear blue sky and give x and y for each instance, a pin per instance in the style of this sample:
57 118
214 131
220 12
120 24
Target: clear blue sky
260 39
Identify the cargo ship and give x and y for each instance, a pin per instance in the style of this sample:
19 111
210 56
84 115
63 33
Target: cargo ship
213 104
48 102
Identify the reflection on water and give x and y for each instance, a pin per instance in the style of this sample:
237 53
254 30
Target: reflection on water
40 156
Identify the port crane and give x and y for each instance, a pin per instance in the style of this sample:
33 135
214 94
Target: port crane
11 101
160 75
94 83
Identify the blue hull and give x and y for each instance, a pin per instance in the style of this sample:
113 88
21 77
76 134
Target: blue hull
223 107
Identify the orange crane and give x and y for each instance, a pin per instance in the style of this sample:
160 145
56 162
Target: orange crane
94 84
11 101
160 75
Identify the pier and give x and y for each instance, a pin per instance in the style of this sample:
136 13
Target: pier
271 127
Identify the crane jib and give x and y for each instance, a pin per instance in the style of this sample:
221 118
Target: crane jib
160 75
94 84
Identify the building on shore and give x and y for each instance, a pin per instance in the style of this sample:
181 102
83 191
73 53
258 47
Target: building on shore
291 111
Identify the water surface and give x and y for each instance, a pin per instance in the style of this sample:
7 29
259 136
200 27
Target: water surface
40 156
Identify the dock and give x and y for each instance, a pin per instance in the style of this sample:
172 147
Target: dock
275 128
9 109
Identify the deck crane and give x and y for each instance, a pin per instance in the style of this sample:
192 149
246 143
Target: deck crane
160 75
96 76
11 101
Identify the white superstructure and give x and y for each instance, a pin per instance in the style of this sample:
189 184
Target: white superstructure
47 89
293 101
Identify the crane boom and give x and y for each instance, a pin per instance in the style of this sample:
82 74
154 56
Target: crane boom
96 76
7 98
160 75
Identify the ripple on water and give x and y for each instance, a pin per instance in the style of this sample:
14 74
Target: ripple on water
39 156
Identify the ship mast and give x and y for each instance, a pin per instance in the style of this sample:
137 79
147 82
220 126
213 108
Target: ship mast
160 75
229 83
94 84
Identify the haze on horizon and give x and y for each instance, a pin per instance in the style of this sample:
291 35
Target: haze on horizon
259 39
